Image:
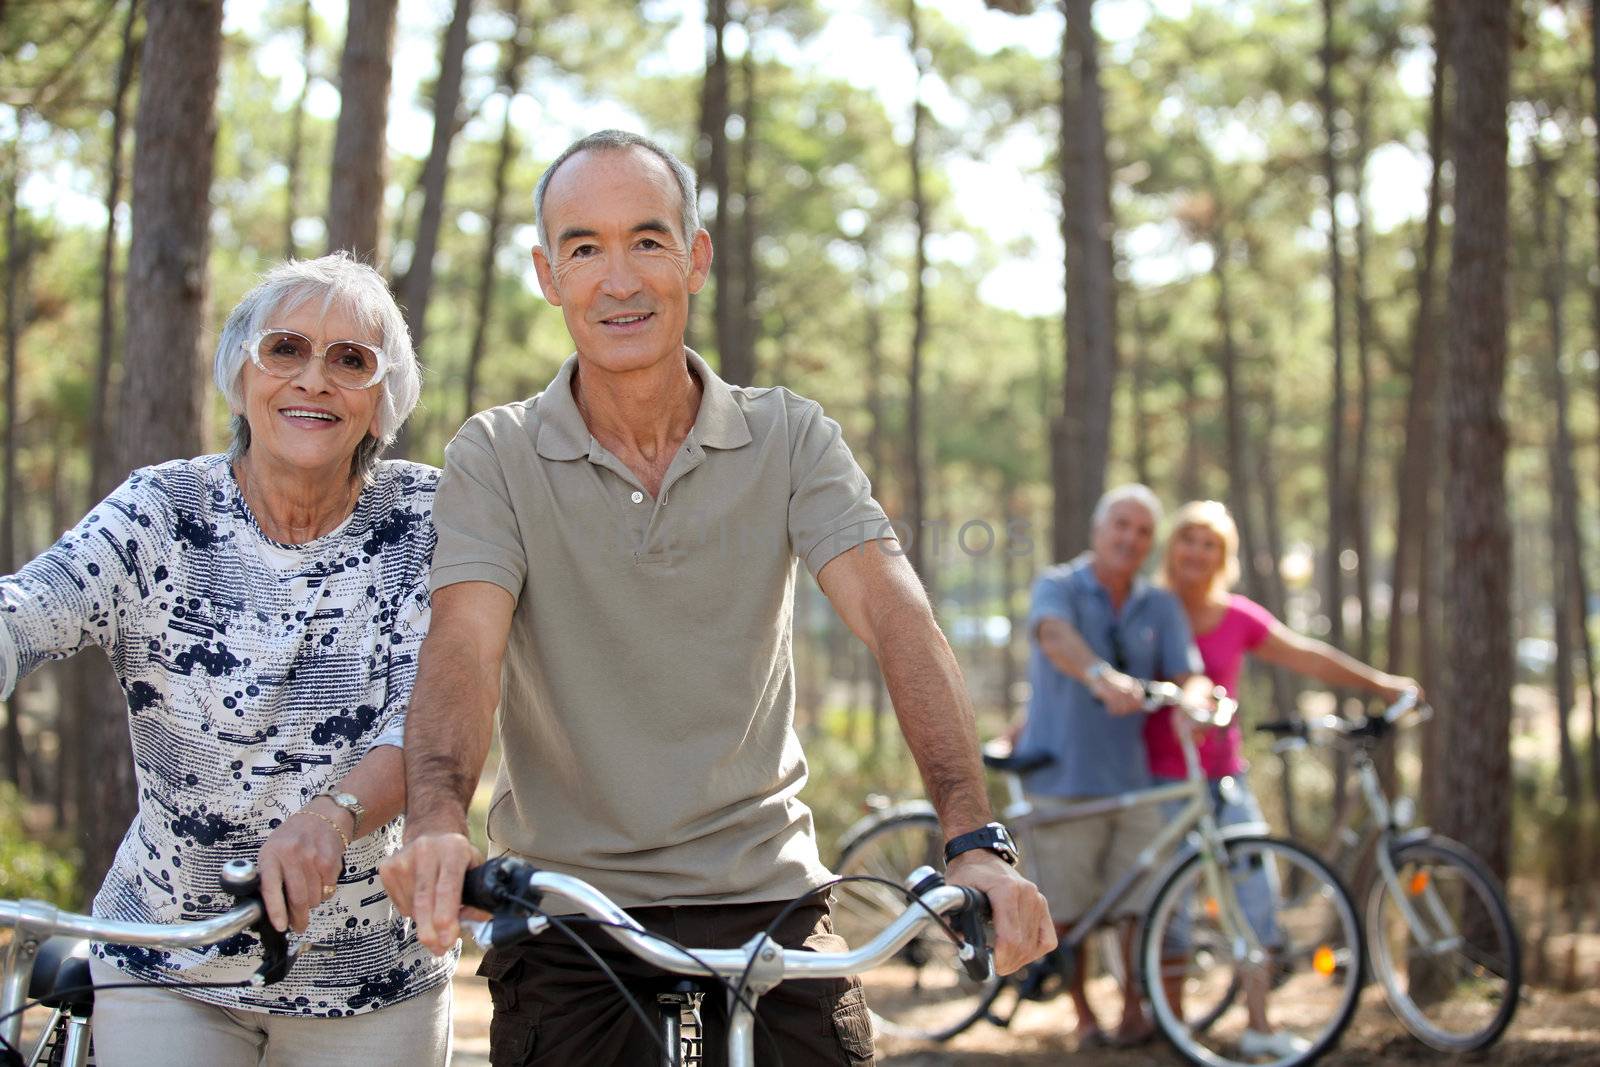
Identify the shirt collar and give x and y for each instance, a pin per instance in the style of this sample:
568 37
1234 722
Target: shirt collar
563 435
1083 574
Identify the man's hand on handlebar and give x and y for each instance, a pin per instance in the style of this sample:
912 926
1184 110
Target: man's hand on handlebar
424 881
1120 694
1022 928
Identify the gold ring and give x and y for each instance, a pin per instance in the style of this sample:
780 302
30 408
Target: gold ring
327 891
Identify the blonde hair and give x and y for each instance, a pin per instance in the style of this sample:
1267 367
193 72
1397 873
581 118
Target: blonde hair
1208 515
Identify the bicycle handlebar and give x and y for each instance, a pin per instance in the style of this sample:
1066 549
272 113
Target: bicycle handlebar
511 887
1159 695
239 879
1331 729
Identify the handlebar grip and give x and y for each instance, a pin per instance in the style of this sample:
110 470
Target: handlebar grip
490 886
1283 728
972 923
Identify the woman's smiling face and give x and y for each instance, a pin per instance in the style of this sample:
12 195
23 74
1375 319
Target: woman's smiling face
307 422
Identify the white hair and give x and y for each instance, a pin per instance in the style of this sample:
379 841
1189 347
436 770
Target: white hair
356 288
613 141
1142 495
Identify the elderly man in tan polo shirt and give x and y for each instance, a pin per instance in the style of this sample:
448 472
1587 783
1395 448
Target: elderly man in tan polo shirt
615 571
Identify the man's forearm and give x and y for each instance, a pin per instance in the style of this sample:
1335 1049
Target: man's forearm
1066 649
935 714
448 729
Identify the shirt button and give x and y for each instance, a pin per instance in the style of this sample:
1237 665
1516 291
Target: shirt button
638 497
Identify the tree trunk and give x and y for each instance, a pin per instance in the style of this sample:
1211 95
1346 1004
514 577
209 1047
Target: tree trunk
1009 586
89 692
101 432
1417 479
877 465
1141 414
417 286
1356 522
1239 476
916 480
1562 484
163 396
733 364
16 258
1594 291
1478 690
750 282
1285 684
297 134
1080 446
1189 480
516 55
1333 568
360 157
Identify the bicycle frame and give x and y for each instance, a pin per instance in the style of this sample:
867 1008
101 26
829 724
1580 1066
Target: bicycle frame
1382 832
1024 817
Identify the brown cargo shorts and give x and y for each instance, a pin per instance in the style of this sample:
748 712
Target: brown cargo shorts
554 1008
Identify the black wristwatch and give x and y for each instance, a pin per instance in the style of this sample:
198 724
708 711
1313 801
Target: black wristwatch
993 837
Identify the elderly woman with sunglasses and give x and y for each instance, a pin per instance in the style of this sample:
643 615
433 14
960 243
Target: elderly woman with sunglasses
263 610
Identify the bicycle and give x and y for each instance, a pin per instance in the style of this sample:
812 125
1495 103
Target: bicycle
1198 947
46 962
1439 933
513 890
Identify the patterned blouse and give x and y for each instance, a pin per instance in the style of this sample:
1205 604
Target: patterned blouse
258 675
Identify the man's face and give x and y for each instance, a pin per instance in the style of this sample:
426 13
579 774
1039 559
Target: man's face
1123 539
619 266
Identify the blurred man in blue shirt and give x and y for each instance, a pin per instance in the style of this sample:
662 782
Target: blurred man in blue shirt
1098 631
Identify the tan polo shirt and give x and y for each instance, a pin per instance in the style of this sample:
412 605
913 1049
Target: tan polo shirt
647 704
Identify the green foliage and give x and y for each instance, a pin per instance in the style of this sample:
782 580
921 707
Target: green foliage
30 867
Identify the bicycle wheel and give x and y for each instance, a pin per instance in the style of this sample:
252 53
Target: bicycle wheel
923 992
1222 1003
1447 957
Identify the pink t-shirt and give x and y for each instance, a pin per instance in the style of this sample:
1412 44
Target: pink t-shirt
1244 625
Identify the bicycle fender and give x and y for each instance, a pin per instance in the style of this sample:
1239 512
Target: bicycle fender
1410 837
867 823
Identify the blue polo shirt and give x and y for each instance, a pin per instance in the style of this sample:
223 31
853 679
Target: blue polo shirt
1097 753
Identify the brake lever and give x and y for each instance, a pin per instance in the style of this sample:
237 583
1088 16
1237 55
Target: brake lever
972 923
241 879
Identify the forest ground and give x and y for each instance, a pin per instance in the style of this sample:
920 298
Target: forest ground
1550 1029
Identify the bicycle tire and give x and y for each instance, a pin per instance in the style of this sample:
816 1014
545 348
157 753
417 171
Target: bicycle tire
1420 864
1316 951
924 992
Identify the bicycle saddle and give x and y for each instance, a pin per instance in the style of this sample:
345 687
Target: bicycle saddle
60 977
1018 763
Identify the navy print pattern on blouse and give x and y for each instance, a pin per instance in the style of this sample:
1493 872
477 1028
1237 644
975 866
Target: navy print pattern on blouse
257 675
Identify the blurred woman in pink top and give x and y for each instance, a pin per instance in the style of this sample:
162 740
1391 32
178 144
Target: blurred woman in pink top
1200 567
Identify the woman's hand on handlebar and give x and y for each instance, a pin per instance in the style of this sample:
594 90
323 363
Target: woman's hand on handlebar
424 881
299 860
1394 686
1022 928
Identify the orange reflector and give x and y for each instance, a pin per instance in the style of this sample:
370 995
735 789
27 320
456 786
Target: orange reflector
1213 909
1419 883
1323 961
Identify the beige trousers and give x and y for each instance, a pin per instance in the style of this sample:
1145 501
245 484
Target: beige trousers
143 1026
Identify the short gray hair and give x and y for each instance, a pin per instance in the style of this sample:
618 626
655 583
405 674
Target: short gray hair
616 141
336 279
1134 491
